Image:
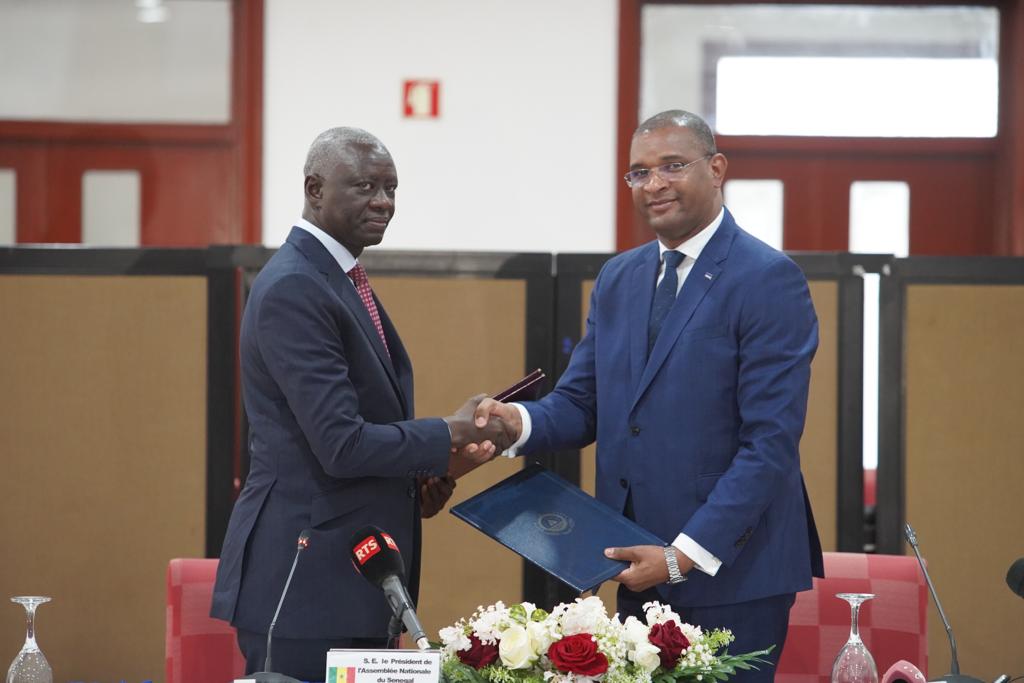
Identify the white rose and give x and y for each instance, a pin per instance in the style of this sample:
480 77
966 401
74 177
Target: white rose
540 637
584 616
646 656
636 631
515 649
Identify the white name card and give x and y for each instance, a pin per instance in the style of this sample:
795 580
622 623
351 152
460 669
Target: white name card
383 666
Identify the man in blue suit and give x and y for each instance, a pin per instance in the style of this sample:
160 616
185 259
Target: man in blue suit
333 444
693 377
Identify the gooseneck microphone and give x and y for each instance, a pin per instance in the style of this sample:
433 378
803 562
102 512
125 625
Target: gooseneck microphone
375 555
1015 577
954 676
267 675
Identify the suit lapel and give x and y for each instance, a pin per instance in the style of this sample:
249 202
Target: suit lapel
699 282
400 361
346 291
642 283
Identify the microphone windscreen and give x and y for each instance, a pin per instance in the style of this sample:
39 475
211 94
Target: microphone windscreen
1015 577
375 555
903 672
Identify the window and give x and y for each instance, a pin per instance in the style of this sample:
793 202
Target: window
879 224
8 206
111 208
757 206
116 61
824 69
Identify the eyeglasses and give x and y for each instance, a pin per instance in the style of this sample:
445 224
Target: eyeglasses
674 170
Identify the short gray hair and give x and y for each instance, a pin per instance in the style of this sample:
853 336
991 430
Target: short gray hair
324 151
678 117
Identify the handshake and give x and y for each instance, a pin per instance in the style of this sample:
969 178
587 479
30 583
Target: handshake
481 428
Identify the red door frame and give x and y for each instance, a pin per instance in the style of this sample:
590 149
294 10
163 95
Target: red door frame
217 168
977 207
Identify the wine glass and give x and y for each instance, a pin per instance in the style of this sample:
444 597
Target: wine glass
30 665
854 664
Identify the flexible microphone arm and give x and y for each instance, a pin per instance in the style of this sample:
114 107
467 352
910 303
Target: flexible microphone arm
912 540
267 675
954 675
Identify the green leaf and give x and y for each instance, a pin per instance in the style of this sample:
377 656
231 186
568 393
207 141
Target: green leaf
517 613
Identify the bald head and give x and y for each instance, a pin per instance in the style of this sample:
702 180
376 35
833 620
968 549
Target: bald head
350 187
681 119
332 145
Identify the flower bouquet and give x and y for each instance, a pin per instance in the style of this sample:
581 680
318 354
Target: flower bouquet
578 642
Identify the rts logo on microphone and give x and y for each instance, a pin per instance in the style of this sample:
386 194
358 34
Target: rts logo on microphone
367 548
389 541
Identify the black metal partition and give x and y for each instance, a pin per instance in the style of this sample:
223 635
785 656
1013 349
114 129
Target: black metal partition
906 273
847 271
223 268
950 459
121 454
553 325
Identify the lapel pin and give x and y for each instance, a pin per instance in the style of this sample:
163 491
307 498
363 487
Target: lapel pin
707 275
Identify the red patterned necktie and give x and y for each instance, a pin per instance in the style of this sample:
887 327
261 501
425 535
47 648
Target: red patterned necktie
362 283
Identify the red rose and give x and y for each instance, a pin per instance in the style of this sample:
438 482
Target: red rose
670 641
578 654
478 655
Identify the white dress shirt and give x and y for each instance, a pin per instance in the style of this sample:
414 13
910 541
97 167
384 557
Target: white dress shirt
691 249
342 255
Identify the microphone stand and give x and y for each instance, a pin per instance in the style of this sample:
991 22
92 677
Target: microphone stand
394 632
954 676
268 676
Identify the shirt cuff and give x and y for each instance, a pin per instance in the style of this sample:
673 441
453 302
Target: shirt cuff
702 559
524 416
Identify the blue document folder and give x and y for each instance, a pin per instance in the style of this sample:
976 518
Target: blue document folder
555 525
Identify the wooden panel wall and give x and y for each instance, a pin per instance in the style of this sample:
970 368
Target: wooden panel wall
456 356
103 438
964 360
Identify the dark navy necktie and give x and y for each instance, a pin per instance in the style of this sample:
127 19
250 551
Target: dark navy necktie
664 296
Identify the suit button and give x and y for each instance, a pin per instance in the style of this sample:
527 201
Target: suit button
412 491
623 483
634 430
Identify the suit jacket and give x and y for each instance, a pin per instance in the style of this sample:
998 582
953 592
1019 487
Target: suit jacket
705 432
332 447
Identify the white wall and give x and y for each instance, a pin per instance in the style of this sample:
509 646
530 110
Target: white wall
523 156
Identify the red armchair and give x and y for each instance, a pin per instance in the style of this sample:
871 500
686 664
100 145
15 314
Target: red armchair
894 625
198 649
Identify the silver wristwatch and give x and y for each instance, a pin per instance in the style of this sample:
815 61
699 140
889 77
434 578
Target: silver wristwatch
674 576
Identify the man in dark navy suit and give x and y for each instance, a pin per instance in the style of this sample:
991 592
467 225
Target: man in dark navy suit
693 378
333 444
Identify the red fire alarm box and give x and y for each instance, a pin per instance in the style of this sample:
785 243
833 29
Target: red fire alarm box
421 99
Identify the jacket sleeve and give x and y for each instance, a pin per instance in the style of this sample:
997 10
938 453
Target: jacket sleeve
301 345
567 417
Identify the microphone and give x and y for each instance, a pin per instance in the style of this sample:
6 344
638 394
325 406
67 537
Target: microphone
954 676
1015 577
267 676
375 555
904 672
